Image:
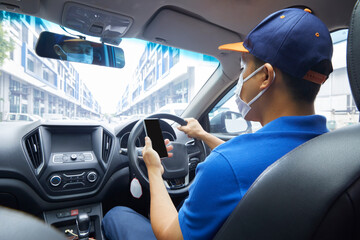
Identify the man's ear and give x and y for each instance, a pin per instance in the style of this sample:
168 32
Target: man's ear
269 76
59 51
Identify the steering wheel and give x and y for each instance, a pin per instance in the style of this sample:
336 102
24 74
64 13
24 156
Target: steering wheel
186 154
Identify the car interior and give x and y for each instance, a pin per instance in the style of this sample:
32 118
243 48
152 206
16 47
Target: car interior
61 177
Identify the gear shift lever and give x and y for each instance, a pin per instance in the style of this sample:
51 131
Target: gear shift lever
83 225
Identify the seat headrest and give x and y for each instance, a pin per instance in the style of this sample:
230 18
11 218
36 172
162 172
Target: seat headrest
353 54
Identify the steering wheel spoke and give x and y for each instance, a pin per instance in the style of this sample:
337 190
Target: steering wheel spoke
177 183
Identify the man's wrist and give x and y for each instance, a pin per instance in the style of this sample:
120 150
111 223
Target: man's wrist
155 171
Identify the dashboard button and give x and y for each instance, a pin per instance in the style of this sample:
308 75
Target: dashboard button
60 214
74 212
88 156
87 210
91 177
55 180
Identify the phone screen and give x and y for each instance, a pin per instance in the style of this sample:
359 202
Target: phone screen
153 131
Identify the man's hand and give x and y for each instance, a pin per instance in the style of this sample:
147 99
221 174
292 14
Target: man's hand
193 129
151 157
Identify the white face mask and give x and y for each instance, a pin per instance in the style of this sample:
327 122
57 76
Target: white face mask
78 57
244 107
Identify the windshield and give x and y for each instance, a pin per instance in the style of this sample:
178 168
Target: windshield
155 78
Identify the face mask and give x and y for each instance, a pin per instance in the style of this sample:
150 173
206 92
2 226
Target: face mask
78 57
244 107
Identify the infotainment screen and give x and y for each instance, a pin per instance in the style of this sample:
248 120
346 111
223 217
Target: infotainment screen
66 142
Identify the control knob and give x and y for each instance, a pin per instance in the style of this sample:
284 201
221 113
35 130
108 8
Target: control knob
55 180
91 177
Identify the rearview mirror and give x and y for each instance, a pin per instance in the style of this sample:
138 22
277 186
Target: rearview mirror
61 47
229 122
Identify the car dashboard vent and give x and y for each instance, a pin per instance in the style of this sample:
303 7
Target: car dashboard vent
33 148
106 146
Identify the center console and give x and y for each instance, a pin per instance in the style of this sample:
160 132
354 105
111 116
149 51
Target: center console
65 220
74 161
74 167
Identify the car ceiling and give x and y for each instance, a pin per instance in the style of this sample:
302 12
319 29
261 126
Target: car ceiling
201 25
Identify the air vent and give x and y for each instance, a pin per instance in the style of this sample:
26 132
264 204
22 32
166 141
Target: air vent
33 147
106 146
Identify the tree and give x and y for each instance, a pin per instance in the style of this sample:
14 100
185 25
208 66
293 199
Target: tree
6 45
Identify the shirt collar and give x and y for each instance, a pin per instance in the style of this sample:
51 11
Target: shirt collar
312 123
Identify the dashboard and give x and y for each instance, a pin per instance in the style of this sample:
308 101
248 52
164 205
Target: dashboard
51 165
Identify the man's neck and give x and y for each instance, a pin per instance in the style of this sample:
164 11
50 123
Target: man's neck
291 109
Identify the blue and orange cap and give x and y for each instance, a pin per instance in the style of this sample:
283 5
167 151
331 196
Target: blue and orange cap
293 40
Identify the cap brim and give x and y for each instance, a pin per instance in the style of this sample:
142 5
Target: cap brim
238 47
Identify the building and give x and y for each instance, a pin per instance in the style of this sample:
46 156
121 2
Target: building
164 75
33 85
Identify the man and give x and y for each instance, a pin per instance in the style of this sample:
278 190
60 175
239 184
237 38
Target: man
285 60
75 50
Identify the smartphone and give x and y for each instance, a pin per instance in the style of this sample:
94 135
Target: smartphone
153 131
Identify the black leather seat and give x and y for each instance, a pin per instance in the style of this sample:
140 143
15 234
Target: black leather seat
16 225
314 191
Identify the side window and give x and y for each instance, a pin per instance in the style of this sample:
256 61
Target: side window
225 118
335 100
23 118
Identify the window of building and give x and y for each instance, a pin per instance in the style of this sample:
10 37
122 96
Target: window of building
25 33
36 107
30 65
14 103
24 108
165 60
28 19
11 55
14 86
15 29
45 75
24 91
176 56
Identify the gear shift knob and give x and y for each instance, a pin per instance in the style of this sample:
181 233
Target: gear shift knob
83 225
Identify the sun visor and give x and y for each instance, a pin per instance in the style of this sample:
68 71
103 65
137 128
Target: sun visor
22 7
172 28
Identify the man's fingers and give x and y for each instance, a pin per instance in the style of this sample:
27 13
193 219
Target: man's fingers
148 142
170 155
184 128
181 128
169 148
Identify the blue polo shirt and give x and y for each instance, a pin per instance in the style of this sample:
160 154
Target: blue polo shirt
228 172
